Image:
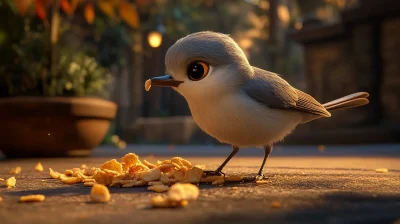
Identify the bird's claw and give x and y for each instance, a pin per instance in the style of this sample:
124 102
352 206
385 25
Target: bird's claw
260 177
255 178
208 173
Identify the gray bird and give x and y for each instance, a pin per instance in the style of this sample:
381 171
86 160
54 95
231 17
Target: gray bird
237 103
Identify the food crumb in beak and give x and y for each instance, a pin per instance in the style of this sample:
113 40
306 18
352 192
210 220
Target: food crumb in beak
147 85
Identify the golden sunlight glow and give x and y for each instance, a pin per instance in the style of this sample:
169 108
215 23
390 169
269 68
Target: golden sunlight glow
154 38
298 25
283 14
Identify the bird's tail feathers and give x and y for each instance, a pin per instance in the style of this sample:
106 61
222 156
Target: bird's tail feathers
352 100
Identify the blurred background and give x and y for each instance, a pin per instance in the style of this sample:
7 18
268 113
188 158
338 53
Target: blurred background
108 48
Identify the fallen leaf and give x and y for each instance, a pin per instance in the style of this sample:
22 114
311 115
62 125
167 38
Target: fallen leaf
107 7
129 14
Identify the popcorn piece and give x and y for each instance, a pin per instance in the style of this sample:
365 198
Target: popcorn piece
16 170
83 166
193 175
10 182
234 178
1 179
235 188
39 167
147 85
99 193
218 182
112 165
158 188
179 192
150 175
381 170
54 175
32 198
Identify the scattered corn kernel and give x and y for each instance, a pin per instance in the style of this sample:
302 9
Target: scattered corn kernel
10 182
147 85
235 188
1 179
16 170
99 193
381 170
158 188
39 167
32 198
53 174
160 202
179 192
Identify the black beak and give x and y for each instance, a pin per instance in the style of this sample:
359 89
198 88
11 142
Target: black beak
165 80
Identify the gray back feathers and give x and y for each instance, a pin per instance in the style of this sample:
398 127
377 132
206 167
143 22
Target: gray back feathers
272 91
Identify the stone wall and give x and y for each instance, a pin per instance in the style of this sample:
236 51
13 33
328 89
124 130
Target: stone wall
359 54
390 51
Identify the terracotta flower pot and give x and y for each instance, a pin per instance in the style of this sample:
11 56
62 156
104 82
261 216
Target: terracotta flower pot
53 126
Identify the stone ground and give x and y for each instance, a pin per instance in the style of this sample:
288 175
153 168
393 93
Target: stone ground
338 185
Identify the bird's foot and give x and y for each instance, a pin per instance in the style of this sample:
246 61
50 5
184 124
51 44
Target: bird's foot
260 177
253 179
209 173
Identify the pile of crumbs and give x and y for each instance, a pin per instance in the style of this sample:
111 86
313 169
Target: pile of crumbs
132 172
176 176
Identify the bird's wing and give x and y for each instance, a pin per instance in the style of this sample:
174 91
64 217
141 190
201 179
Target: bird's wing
272 91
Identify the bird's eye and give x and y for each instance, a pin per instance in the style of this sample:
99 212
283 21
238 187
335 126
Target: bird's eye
197 70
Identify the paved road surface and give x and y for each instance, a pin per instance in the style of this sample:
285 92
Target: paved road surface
338 185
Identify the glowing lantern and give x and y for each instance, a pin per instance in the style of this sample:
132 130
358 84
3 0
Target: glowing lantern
154 38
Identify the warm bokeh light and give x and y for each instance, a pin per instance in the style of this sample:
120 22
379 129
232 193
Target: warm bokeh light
283 14
154 38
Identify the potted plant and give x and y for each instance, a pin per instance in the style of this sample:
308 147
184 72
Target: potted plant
53 97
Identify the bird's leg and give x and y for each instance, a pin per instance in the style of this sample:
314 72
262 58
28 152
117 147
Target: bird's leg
267 150
218 171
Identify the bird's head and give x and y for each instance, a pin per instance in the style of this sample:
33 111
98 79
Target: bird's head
204 65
